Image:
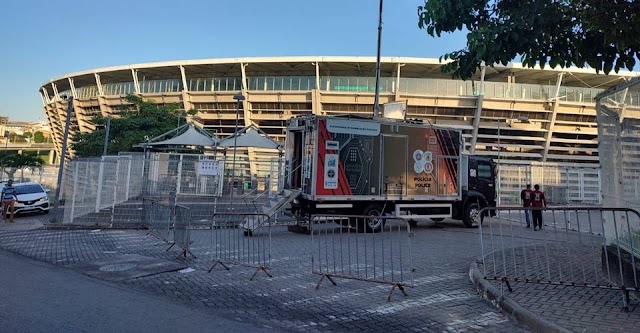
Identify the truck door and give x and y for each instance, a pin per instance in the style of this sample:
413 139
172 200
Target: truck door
293 160
394 165
482 178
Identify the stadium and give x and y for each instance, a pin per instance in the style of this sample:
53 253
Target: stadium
539 124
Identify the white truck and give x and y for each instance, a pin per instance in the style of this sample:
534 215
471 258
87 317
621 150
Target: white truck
365 166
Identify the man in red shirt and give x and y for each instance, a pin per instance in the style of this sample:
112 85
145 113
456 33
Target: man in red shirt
525 196
537 201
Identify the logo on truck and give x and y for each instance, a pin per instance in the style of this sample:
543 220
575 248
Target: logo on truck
331 171
423 161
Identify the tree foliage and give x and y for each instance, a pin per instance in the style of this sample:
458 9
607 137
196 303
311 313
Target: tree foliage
14 162
601 34
130 128
38 137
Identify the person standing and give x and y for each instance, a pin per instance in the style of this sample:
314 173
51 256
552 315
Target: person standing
538 201
525 197
8 198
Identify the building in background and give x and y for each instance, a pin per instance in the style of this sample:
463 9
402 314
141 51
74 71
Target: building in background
531 120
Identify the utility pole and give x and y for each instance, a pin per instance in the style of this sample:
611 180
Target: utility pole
376 103
63 154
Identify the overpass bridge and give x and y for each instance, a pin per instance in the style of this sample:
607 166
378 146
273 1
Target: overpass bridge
20 147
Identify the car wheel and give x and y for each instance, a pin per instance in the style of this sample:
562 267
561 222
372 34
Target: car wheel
437 219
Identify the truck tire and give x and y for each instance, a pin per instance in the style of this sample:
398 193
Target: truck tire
471 214
371 225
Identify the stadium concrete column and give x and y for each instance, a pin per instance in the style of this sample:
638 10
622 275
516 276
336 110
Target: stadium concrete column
316 106
186 96
317 65
44 103
552 121
397 88
476 117
102 102
73 88
56 95
98 84
45 93
58 113
136 83
251 154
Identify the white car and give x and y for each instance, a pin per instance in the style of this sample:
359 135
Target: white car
32 197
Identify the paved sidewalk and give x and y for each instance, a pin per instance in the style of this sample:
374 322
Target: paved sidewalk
443 300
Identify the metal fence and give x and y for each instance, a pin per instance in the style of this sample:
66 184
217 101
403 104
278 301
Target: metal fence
182 229
106 191
563 184
231 244
343 252
157 218
577 246
619 145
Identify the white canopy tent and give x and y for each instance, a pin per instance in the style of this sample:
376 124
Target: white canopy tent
190 137
250 136
187 135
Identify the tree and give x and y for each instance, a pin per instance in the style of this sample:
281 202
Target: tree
130 128
601 34
14 162
38 137
14 137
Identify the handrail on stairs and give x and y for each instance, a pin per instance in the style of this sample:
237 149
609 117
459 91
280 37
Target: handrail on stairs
262 194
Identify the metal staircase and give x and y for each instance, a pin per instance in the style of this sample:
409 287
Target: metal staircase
273 207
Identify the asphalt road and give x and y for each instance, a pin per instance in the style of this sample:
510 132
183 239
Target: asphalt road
39 297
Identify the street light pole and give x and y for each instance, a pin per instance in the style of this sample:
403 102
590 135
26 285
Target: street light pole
499 149
239 97
106 137
63 153
376 102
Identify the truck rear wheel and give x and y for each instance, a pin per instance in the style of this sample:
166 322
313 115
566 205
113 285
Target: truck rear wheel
370 224
471 214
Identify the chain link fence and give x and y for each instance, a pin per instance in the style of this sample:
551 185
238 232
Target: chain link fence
110 190
619 151
563 184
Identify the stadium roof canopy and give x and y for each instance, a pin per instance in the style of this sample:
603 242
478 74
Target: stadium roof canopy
336 65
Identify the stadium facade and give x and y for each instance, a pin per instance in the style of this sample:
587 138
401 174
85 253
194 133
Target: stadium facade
521 116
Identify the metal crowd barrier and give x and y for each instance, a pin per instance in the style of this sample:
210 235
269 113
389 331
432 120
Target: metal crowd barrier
182 230
589 247
233 245
343 252
158 218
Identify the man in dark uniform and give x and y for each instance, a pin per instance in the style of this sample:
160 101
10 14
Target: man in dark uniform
537 201
525 197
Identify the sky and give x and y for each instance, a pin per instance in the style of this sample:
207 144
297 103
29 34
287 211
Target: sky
43 39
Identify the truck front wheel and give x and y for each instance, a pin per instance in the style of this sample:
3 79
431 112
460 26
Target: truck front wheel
471 214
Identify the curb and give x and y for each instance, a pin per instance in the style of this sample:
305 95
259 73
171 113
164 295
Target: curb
531 320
